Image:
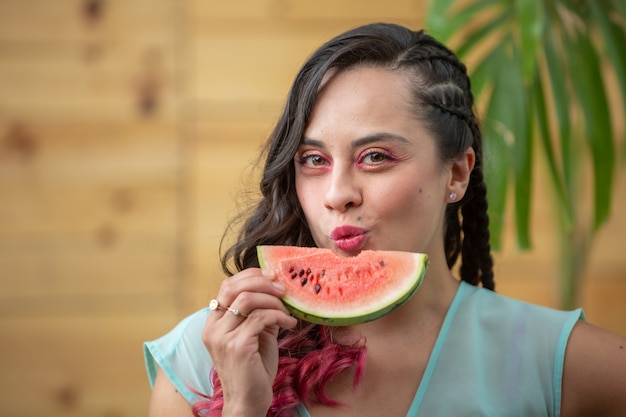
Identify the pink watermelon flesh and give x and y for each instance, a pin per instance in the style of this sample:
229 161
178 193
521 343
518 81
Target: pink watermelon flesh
325 288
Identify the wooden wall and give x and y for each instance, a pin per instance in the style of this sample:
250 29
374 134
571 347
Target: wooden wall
127 130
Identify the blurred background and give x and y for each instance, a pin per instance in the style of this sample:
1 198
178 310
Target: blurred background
128 132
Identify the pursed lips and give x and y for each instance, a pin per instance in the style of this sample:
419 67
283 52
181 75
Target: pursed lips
349 238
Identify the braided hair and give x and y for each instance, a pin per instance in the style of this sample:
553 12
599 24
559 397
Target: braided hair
308 356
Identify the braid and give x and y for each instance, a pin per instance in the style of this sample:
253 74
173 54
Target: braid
452 237
477 253
477 263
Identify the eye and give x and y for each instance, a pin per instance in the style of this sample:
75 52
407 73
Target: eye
316 160
312 160
375 157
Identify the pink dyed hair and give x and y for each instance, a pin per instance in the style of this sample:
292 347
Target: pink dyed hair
309 358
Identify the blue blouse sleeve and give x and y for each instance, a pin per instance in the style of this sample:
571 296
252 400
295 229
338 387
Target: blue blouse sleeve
182 356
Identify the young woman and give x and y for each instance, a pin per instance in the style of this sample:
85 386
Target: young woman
379 148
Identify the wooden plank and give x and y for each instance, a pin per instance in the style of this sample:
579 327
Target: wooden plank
276 61
89 153
80 267
79 365
102 305
260 115
226 48
68 170
323 10
85 60
51 210
220 167
71 20
93 214
112 83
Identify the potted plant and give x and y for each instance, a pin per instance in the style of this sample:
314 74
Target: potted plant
539 71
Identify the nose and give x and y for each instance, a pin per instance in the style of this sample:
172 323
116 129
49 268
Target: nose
343 192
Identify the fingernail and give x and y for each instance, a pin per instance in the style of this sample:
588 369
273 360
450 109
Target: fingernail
268 273
278 286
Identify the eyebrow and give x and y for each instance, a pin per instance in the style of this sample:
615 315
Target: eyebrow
366 140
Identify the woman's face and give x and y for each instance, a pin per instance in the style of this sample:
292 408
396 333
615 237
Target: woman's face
367 172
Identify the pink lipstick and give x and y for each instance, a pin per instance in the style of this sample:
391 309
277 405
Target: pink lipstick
349 238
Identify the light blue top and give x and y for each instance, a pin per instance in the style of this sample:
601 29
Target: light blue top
494 356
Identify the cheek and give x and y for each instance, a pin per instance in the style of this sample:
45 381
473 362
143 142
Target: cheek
404 197
299 189
306 195
309 199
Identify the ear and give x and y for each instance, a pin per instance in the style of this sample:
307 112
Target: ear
460 170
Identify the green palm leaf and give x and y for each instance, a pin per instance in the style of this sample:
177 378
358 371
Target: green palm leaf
538 70
597 121
557 71
531 16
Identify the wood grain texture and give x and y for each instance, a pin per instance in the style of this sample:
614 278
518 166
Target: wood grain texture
129 133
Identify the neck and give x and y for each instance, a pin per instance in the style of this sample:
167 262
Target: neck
425 311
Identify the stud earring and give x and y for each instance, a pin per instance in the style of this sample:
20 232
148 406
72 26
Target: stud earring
452 196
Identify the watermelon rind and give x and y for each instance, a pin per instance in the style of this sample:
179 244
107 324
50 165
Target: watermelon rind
372 311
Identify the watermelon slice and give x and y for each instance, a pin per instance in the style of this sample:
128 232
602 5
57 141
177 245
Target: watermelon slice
325 288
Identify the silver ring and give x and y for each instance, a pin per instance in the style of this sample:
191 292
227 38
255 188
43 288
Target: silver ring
236 312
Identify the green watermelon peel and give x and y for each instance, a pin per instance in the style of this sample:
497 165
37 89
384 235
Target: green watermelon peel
325 288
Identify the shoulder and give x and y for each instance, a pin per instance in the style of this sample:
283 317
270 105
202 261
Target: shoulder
505 326
181 356
592 380
166 400
511 350
594 375
184 338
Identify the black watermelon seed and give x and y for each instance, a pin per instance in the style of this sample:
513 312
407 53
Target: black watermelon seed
301 272
382 263
308 271
323 272
293 275
293 268
303 282
318 287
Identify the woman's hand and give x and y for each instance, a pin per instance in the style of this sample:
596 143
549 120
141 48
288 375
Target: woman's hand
244 347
